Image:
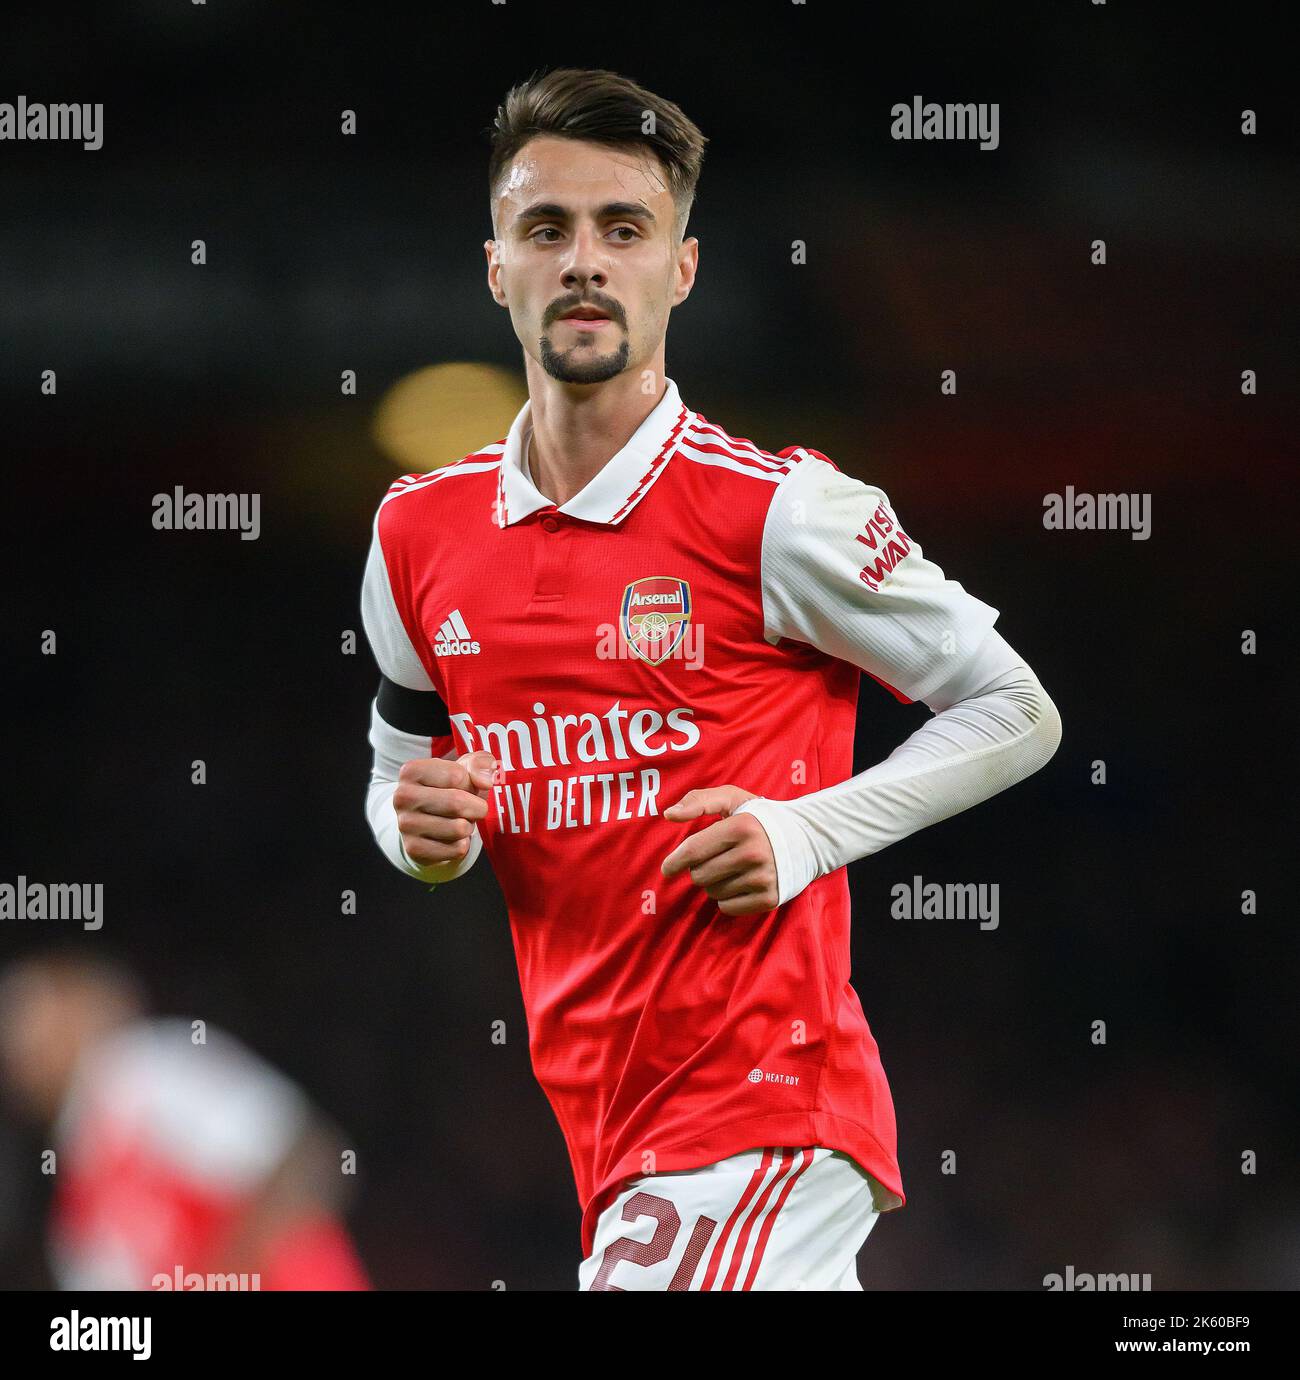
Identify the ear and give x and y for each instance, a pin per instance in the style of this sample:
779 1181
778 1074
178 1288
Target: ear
688 263
491 248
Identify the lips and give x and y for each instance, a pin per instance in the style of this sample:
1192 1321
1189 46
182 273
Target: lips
584 314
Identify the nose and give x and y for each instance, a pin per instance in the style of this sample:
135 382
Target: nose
583 266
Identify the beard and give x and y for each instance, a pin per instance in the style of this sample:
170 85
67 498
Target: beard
578 364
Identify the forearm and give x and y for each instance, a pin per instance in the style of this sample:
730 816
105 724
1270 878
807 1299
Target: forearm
392 749
993 728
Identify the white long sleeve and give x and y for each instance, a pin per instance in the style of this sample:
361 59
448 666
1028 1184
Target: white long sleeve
400 663
840 574
392 749
994 726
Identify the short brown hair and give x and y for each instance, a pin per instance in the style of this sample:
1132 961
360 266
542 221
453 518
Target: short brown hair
602 108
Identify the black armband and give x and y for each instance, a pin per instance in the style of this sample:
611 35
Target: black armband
421 712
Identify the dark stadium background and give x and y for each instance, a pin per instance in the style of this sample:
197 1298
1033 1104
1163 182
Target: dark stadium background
1120 902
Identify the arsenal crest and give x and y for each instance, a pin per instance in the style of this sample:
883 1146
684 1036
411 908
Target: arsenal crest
655 613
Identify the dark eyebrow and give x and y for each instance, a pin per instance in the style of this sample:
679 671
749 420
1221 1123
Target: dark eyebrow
614 210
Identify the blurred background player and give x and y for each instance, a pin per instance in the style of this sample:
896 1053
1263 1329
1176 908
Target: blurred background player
174 1159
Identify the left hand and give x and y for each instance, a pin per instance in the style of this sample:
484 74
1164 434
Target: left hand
732 859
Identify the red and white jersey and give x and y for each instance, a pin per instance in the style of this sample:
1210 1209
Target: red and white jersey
161 1145
698 615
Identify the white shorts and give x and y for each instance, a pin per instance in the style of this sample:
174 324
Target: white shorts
764 1219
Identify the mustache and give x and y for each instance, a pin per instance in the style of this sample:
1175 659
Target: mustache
604 304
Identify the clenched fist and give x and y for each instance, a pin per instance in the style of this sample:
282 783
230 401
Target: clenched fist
438 802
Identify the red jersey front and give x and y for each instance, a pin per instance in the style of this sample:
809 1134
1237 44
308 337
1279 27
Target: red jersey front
698 615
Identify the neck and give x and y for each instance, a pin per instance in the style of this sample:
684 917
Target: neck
578 428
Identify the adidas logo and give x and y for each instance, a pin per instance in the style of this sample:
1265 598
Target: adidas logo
453 639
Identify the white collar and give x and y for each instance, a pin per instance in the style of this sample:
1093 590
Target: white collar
616 488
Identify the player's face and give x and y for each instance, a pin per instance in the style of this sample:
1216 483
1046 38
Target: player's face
587 257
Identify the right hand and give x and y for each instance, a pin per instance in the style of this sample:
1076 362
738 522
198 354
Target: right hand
438 802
